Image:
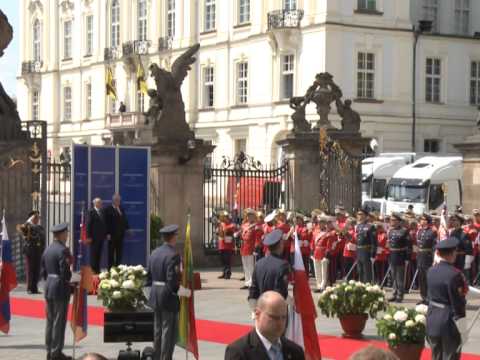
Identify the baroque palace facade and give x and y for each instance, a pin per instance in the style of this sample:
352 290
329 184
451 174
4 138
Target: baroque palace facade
254 55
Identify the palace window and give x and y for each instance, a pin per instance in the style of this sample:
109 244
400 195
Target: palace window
289 5
89 35
35 105
430 12
243 11
171 18
240 145
462 17
209 23
367 5
67 39
208 89
366 75
67 103
142 19
431 146
475 83
115 24
242 82
88 100
288 71
433 80
37 44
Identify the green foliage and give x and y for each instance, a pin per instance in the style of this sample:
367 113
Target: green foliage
403 325
352 298
121 288
156 224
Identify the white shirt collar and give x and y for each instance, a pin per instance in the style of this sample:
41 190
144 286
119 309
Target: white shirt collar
265 341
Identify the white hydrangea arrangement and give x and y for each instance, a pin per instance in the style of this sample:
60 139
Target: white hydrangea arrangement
352 298
121 288
403 325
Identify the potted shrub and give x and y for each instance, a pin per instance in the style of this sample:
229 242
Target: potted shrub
352 303
404 331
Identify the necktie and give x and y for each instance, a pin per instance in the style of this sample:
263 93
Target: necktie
276 352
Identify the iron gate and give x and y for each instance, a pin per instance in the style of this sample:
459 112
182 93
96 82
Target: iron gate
239 184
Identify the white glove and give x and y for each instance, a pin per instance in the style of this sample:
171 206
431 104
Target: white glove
184 292
379 250
252 303
253 315
75 277
462 326
290 301
468 261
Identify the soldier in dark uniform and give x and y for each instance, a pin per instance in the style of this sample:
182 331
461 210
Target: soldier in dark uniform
164 278
455 223
366 240
56 262
34 245
426 240
447 289
400 247
272 271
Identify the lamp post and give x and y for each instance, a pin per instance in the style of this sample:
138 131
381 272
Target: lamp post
423 27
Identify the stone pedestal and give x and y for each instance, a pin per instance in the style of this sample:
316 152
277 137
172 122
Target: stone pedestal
470 150
177 187
320 182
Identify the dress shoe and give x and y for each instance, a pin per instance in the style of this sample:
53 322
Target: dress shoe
228 276
245 287
242 279
221 276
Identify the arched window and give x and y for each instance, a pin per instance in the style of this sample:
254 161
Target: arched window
115 24
37 55
142 19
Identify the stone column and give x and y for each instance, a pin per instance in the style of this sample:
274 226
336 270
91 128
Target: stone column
470 150
302 151
177 185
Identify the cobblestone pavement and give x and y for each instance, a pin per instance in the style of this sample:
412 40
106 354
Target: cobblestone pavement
219 300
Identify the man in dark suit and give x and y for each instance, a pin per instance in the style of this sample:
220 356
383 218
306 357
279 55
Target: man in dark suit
446 315
163 275
56 271
96 233
117 226
266 341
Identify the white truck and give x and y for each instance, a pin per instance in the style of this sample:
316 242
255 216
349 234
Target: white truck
426 184
376 173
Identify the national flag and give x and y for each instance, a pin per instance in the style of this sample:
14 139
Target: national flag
141 82
443 230
79 322
8 278
302 330
187 332
110 84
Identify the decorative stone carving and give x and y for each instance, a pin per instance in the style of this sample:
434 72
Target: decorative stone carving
170 123
350 118
323 92
10 128
300 123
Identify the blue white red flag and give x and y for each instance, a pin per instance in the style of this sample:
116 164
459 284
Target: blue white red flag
8 278
79 321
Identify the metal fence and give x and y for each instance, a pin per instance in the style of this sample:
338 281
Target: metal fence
239 184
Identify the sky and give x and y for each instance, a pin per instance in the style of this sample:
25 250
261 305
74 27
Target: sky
9 66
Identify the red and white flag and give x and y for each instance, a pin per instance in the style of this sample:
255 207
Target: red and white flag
302 320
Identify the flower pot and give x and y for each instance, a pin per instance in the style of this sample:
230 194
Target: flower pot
353 325
407 351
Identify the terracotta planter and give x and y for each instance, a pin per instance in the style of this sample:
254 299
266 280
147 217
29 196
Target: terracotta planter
353 325
407 351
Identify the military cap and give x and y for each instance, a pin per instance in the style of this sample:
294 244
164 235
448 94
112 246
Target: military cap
448 244
260 214
427 217
59 228
250 211
363 210
458 216
224 213
272 238
169 229
396 216
33 212
476 212
339 209
270 217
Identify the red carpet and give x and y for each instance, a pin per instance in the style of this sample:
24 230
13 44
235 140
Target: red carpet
332 347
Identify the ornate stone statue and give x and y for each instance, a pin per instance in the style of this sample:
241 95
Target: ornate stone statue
170 122
350 118
10 128
323 92
300 123
154 108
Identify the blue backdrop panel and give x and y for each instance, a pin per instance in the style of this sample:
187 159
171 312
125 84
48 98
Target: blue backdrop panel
102 182
133 187
80 191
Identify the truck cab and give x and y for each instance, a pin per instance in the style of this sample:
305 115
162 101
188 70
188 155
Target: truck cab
426 184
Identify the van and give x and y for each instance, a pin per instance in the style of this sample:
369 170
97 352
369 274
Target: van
426 184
